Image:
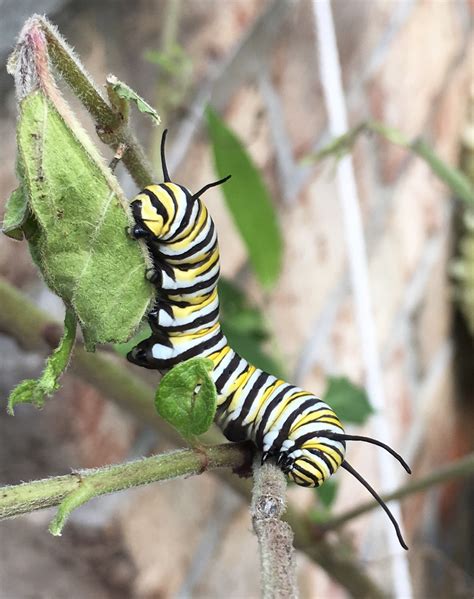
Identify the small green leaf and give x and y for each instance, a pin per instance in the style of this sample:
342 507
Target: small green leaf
75 499
16 212
248 201
349 401
35 390
123 91
327 492
187 397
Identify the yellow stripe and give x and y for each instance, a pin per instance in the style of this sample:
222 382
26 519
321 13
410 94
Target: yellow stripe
167 203
190 233
282 407
239 384
324 415
179 338
217 357
179 312
149 215
329 452
314 472
303 476
259 403
189 275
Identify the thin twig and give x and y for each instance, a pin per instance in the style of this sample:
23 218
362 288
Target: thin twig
275 537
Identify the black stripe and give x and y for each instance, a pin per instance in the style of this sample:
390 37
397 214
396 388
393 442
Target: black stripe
285 429
187 213
251 395
157 205
264 417
204 224
195 249
170 192
226 373
298 468
197 287
150 362
200 320
235 432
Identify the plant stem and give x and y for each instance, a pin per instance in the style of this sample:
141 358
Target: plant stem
455 179
461 468
275 537
32 496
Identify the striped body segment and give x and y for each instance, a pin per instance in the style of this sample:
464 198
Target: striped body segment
285 422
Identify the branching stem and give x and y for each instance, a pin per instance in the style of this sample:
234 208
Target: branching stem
74 489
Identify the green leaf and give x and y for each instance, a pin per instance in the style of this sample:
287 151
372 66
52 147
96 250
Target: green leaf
349 401
327 492
455 179
248 201
123 91
77 232
16 212
75 499
35 391
187 397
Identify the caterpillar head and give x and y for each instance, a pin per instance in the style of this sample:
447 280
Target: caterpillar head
150 215
310 459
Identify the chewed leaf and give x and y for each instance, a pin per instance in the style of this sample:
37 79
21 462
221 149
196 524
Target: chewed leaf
15 214
187 397
80 215
127 93
36 390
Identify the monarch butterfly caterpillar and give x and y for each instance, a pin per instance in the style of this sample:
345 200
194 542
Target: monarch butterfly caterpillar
301 432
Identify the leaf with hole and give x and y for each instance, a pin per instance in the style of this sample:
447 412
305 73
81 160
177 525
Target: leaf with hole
187 397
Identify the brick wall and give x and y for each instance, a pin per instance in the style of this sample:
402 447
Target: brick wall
404 63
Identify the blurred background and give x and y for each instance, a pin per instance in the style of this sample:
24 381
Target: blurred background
405 63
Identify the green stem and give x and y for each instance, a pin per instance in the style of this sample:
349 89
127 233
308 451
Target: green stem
32 496
110 124
460 468
455 179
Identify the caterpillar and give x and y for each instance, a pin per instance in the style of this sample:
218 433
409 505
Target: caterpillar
294 427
